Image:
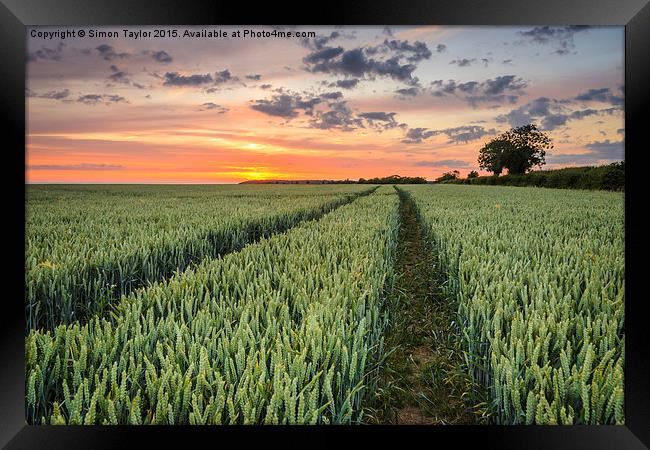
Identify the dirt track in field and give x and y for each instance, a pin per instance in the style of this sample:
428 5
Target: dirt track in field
420 382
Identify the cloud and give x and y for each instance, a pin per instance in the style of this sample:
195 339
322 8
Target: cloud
53 95
607 149
581 114
537 108
339 116
455 135
286 105
554 121
108 53
122 77
466 133
255 77
161 56
378 116
502 84
107 99
445 88
528 113
209 106
562 38
47 54
266 86
348 83
475 100
280 105
417 51
355 63
119 76
603 95
599 151
223 77
327 111
417 135
464 62
82 166
551 113
362 62
322 55
408 92
442 163
319 42
176 79
441 48
502 89
331 95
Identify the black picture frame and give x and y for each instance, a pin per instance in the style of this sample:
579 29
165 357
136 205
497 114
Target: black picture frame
15 15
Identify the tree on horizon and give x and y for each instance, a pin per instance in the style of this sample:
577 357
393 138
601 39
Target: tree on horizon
518 150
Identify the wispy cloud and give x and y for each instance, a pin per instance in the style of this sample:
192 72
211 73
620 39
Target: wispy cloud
47 53
286 105
107 99
550 113
604 95
176 79
161 56
502 89
109 53
562 38
455 135
82 166
53 95
408 92
463 62
210 106
599 151
442 163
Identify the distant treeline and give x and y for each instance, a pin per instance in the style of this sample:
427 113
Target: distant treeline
609 177
394 179
298 182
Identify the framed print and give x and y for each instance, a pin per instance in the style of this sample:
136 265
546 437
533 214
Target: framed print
337 224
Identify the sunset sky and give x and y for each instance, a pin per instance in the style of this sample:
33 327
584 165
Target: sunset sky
351 102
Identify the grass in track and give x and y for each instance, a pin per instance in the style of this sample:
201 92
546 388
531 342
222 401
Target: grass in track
420 380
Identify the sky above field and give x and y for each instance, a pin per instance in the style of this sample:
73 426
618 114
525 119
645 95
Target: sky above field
350 102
